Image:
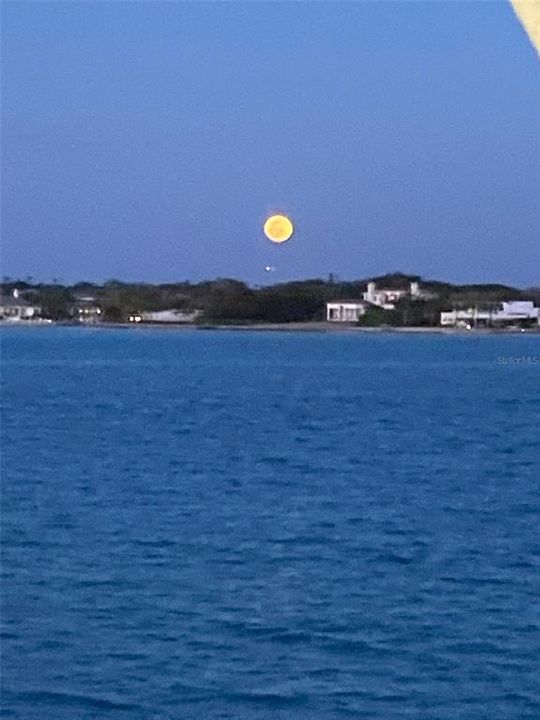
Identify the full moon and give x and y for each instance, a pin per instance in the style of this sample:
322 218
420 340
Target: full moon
278 228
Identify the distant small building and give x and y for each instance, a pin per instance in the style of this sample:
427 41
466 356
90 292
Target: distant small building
463 318
386 298
169 316
14 308
345 310
383 298
518 310
419 293
86 310
515 312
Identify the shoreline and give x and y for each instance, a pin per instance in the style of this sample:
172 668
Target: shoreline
319 327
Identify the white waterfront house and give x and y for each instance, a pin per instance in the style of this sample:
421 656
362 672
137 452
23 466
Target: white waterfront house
517 310
345 310
13 308
170 316
383 298
387 298
513 312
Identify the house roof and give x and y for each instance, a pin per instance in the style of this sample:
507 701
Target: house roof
390 290
85 303
346 301
10 301
84 298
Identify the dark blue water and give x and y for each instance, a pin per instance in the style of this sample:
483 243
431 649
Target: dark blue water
205 525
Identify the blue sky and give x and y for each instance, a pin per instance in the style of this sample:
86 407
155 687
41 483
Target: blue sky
150 140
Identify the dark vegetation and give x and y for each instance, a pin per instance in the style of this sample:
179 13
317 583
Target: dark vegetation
226 301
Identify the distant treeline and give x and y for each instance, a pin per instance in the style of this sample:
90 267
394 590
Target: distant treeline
232 301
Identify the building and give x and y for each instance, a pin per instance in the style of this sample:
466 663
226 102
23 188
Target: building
418 293
14 308
169 316
387 298
465 318
383 298
345 310
86 310
522 313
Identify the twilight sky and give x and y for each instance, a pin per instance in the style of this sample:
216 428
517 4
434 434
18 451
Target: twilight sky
149 140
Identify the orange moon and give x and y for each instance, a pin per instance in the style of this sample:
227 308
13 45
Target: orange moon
278 228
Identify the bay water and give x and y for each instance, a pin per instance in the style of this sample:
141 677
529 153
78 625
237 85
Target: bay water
255 525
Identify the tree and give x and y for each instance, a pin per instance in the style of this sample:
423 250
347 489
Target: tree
376 316
55 302
112 313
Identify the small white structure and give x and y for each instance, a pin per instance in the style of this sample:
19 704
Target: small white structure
14 309
507 313
345 310
464 318
86 310
517 310
170 316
